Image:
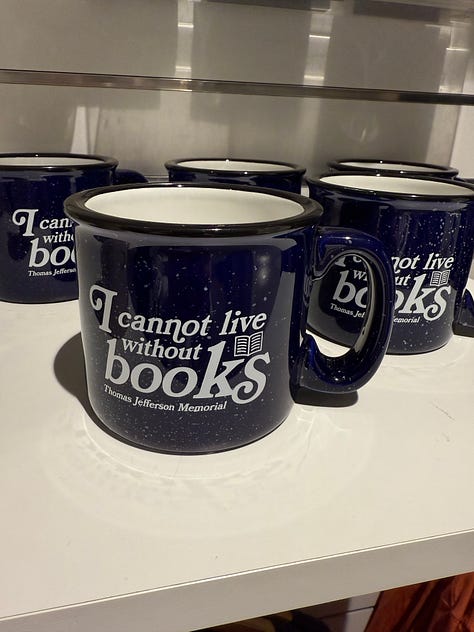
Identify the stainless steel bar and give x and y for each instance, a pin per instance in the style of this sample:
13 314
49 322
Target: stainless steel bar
133 82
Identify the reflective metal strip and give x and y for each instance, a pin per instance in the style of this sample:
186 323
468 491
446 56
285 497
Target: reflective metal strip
132 82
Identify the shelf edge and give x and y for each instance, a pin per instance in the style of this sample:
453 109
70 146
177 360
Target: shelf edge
136 82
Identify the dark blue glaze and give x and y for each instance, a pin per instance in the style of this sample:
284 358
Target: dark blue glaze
288 180
430 240
37 258
128 176
195 382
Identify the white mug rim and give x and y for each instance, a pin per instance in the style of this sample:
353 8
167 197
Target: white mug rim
280 168
45 161
382 165
329 180
79 207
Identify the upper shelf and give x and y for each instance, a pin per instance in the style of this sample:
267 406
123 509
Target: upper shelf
399 51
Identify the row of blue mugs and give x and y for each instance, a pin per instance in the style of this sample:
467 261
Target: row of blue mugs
197 296
288 176
422 214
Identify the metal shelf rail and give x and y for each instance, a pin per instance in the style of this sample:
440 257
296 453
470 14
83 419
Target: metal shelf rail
137 82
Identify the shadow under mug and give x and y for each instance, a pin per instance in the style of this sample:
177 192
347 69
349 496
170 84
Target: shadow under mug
427 228
193 302
37 257
372 166
267 174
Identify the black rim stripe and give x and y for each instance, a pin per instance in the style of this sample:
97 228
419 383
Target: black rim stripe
76 209
103 162
353 190
291 168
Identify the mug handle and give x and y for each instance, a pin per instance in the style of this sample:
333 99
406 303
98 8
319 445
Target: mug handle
128 176
352 370
464 322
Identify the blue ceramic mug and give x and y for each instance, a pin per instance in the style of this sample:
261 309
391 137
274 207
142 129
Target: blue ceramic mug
193 302
37 258
427 228
392 167
283 176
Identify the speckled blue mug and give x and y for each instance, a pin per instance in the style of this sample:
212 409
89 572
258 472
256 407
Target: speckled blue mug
37 258
271 174
193 302
427 228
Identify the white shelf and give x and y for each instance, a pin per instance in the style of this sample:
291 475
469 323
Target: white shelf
99 536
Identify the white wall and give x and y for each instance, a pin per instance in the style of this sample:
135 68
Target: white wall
339 46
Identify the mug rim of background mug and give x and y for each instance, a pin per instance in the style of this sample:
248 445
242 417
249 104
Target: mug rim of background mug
290 168
323 181
76 208
425 168
72 161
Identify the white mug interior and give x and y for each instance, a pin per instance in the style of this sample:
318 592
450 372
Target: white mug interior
393 184
193 205
390 166
233 165
46 161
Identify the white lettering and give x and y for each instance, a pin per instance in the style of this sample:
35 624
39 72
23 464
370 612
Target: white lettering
27 219
104 303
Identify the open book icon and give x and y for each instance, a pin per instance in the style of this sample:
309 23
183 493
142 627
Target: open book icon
247 345
439 278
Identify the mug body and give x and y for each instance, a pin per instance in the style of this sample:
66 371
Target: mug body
427 228
392 167
193 303
37 257
268 174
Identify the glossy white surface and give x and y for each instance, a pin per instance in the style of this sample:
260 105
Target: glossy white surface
191 205
339 500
